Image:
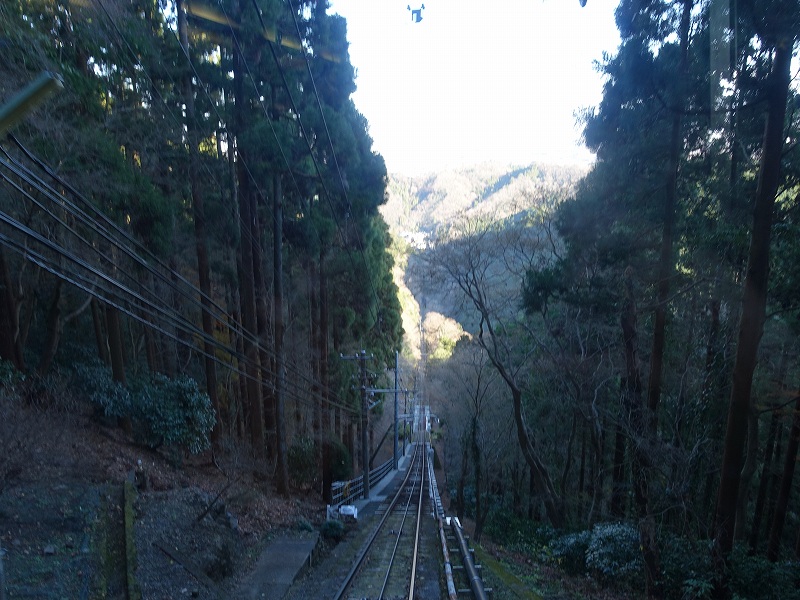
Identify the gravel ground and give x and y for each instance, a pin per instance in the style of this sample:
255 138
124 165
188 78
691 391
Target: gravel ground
324 578
179 556
61 515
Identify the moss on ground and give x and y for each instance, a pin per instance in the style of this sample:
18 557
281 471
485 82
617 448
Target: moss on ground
129 497
505 576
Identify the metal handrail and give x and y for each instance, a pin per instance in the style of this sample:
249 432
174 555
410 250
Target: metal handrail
344 492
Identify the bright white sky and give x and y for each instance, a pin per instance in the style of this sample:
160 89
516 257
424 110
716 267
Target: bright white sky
477 81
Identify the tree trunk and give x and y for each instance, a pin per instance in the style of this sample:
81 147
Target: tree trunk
773 486
748 471
200 235
9 317
766 473
666 261
265 344
617 508
597 471
53 330
462 480
313 344
782 504
247 294
477 474
116 351
280 359
797 545
328 426
562 488
99 332
117 355
751 323
582 465
544 484
641 440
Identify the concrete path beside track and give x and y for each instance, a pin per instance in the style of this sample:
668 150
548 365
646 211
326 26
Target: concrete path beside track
278 565
283 558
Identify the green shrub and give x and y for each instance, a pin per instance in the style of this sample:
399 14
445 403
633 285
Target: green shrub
163 411
686 567
302 460
9 376
512 530
303 524
111 397
756 578
609 552
613 554
341 461
697 589
569 551
332 530
173 412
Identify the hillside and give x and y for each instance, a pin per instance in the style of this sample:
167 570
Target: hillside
417 206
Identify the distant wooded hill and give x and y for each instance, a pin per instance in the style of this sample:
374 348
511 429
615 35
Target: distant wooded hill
418 205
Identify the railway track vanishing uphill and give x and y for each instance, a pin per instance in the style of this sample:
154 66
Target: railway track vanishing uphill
386 567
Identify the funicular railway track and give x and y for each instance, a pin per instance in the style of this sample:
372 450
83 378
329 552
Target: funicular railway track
386 566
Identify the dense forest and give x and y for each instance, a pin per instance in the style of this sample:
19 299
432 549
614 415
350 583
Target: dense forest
191 236
190 228
624 347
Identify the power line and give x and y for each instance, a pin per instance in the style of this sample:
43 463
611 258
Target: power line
106 287
242 330
326 193
140 300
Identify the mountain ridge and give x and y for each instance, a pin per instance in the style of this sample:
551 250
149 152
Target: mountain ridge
422 203
418 206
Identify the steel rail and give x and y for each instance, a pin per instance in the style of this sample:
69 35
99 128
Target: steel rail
419 520
400 532
360 558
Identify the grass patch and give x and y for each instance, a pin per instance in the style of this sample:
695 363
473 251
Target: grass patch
507 578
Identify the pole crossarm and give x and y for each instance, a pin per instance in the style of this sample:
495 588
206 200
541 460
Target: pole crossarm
204 15
25 101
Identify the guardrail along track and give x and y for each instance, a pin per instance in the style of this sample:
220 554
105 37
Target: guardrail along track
386 567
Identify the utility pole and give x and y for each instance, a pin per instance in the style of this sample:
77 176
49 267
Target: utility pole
362 359
396 394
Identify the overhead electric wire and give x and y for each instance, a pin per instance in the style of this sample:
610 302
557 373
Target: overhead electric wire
261 101
333 150
252 178
112 293
166 104
326 193
105 234
123 291
242 331
222 316
114 288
